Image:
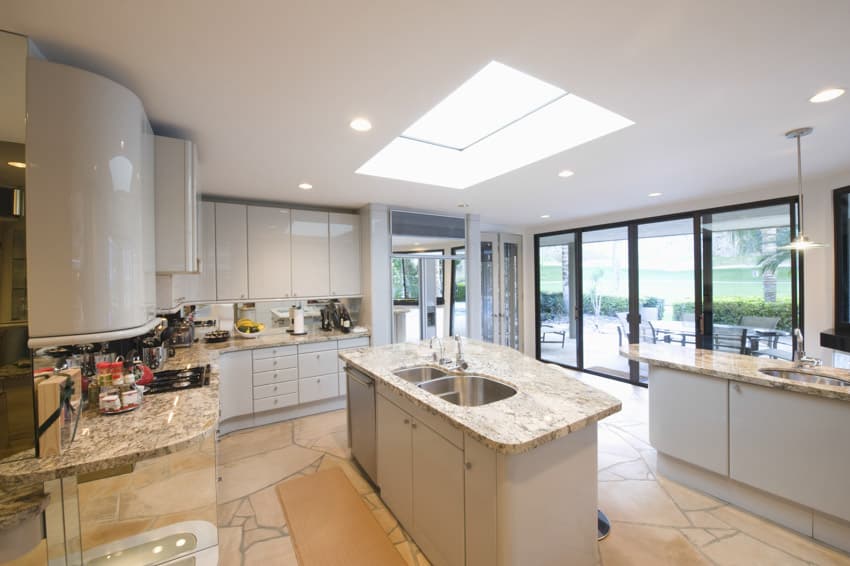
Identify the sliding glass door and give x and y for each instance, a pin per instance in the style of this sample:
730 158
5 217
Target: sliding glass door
557 299
605 300
720 279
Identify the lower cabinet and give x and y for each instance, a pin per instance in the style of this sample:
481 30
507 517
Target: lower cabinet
236 387
787 443
421 475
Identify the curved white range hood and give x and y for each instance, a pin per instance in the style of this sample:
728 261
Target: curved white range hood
89 208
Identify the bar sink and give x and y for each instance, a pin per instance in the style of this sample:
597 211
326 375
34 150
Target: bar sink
815 378
468 390
420 373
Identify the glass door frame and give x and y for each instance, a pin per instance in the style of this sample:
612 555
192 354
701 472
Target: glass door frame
702 283
497 240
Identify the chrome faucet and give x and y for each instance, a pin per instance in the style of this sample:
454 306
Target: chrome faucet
442 360
459 361
800 355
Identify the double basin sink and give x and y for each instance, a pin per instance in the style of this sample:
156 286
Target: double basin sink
464 390
806 377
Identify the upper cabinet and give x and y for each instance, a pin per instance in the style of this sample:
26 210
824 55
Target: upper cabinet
176 206
269 270
89 205
344 253
201 287
310 254
231 251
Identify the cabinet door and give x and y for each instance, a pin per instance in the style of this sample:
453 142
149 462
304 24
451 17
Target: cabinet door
176 206
236 387
787 444
201 287
689 418
395 460
231 251
268 253
344 253
438 497
310 254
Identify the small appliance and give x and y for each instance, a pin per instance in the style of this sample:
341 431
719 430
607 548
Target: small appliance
183 335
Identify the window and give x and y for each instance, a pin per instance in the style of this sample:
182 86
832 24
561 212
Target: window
405 276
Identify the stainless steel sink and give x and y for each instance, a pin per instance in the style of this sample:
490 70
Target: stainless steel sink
420 373
816 378
468 390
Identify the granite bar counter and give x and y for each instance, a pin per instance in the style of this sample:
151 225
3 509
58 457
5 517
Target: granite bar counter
737 367
165 423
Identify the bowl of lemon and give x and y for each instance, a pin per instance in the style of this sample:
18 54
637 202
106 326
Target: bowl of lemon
247 328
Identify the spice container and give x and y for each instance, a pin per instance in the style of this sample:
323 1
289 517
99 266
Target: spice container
110 403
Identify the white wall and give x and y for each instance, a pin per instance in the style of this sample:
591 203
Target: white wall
819 280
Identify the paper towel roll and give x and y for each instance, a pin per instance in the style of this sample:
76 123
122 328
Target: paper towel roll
298 327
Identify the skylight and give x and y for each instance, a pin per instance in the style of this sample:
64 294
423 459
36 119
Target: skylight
497 121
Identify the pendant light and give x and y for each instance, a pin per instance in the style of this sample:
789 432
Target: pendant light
801 242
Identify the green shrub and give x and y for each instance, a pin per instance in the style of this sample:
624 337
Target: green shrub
730 311
552 305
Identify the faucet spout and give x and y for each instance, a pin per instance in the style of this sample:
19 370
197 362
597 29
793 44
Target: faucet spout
802 360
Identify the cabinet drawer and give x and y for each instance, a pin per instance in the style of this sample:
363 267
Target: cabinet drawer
270 364
275 352
317 346
275 376
275 389
317 363
320 387
343 383
278 402
353 343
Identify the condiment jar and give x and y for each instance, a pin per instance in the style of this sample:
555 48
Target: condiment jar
110 402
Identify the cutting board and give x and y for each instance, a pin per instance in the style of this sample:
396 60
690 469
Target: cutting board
48 394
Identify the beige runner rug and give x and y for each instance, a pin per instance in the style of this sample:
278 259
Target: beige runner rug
331 525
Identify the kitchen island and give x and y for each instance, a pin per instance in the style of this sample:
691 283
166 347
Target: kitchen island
775 446
508 482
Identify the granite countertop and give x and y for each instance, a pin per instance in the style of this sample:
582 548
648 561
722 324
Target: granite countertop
165 423
737 367
549 403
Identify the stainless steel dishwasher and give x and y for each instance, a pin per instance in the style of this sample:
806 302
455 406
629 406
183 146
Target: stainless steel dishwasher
361 421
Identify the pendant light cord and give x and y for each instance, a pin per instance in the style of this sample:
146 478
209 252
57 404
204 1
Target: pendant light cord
799 188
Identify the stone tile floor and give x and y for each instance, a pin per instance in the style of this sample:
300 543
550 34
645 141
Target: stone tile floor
655 521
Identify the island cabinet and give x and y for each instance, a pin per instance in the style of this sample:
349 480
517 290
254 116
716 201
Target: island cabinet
235 388
465 503
788 444
421 477
700 401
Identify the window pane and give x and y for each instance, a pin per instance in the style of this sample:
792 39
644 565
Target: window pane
557 299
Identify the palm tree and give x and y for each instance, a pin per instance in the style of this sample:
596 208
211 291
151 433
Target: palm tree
768 265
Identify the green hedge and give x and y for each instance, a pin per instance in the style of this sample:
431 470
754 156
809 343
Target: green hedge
552 305
730 311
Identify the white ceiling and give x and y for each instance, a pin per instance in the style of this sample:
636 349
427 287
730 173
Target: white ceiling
267 88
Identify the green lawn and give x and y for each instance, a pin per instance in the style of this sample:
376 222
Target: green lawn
678 285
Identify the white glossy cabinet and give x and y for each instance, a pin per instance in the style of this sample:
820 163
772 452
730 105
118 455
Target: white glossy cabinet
202 286
395 459
310 254
231 251
690 419
788 443
421 475
236 388
176 206
269 272
89 205
344 230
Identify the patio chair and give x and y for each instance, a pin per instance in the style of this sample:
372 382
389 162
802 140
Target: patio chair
765 322
731 339
622 327
648 333
546 328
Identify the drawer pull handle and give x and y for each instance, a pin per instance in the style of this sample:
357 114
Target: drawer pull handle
406 421
318 381
412 425
275 401
275 387
469 465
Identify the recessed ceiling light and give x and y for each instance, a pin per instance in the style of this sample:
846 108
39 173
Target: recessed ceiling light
157 549
305 186
653 195
18 164
361 125
565 173
463 205
827 95
180 542
497 121
545 216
